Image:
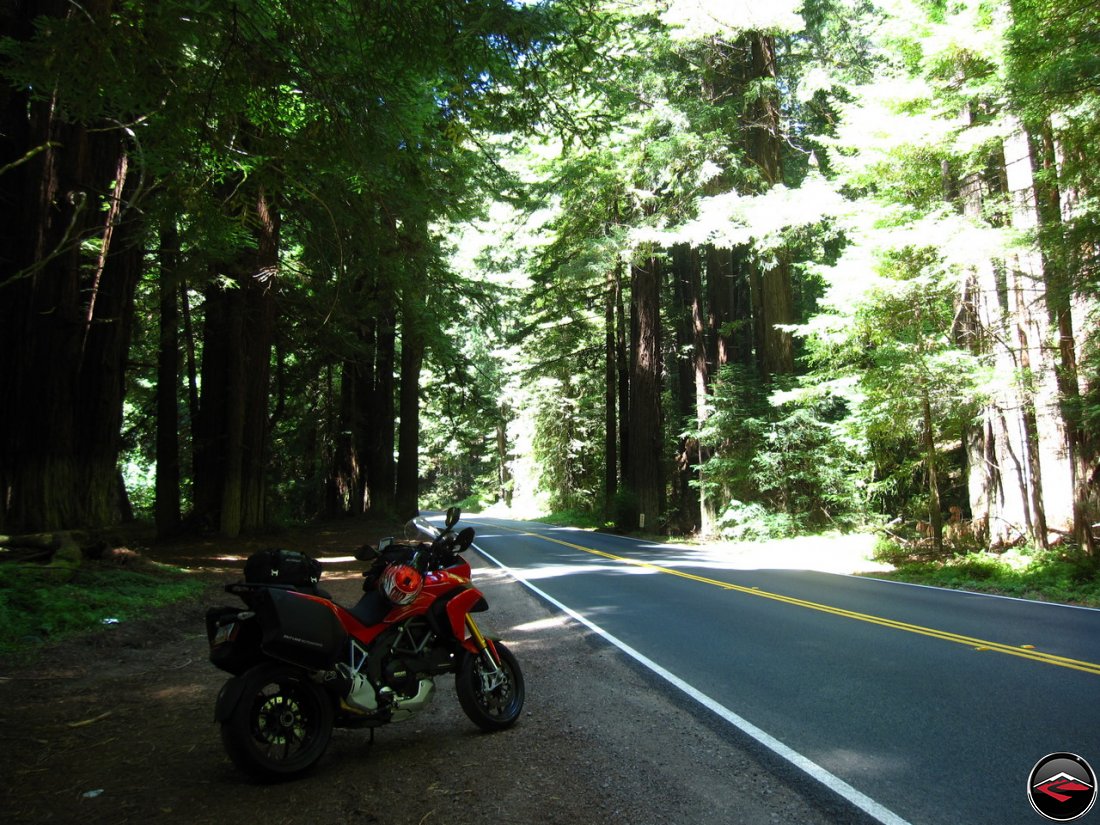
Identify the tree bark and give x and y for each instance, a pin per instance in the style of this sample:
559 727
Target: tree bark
1056 261
646 426
611 434
622 369
231 432
380 409
65 314
408 442
771 282
167 506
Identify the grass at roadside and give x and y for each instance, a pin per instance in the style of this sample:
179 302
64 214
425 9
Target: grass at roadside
1052 576
37 608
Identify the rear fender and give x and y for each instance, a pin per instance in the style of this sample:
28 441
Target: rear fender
228 698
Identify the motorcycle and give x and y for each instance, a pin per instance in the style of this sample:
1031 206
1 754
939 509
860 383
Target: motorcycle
302 664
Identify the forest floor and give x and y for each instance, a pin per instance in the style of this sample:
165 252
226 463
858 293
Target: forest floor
117 727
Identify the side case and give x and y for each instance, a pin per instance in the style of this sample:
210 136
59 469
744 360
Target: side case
299 629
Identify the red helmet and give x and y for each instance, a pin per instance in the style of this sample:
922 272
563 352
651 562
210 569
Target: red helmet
401 583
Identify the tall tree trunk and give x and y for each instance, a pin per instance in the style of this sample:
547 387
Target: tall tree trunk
504 473
935 511
381 412
1019 475
685 276
1056 260
729 313
646 431
611 434
231 433
65 315
344 476
362 421
231 482
167 507
622 369
771 283
408 441
701 377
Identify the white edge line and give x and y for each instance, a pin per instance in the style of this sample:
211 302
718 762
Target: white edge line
972 592
829 780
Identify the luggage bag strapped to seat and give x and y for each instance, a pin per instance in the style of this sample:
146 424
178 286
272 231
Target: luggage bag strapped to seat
285 567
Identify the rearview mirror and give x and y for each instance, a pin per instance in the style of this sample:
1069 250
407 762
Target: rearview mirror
453 515
368 553
464 539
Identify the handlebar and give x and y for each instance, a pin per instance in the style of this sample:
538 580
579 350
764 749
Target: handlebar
423 555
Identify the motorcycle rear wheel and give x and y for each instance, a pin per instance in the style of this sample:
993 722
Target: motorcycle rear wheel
281 726
490 707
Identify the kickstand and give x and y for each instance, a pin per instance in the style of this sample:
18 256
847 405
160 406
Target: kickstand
371 742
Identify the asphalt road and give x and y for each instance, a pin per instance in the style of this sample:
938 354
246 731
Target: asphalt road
917 705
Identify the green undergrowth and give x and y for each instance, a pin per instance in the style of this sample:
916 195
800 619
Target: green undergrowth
39 606
575 518
1053 576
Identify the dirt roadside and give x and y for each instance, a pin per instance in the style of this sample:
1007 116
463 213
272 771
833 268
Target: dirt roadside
118 729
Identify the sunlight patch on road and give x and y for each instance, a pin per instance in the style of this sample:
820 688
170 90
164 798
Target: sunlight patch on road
843 554
543 624
550 571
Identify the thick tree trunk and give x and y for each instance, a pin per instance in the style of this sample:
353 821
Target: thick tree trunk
231 432
729 312
65 314
685 277
771 283
167 507
1020 475
1056 260
646 430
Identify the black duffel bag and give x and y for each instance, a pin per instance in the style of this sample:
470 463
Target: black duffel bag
284 567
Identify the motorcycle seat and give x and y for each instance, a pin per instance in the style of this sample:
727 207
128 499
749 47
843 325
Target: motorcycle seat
371 608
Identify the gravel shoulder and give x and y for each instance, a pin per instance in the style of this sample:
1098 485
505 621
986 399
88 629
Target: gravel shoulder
118 728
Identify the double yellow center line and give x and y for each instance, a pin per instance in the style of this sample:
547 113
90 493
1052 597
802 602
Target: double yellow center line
1022 651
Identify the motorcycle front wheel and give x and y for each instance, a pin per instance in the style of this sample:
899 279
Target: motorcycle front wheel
281 726
492 701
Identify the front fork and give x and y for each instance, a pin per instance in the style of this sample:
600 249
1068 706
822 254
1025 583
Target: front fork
492 675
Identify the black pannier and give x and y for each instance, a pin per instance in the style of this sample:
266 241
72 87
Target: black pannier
299 629
238 650
285 567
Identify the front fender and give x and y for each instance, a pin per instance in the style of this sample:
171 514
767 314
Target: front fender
468 601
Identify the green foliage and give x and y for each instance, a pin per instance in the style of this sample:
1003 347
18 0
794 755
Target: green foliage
1050 576
784 464
36 609
754 522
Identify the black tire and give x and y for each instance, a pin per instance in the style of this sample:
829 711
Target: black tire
281 726
489 707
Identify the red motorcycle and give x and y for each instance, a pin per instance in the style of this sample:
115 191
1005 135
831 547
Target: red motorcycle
303 664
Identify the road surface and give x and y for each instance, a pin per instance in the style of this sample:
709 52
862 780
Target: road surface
915 704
